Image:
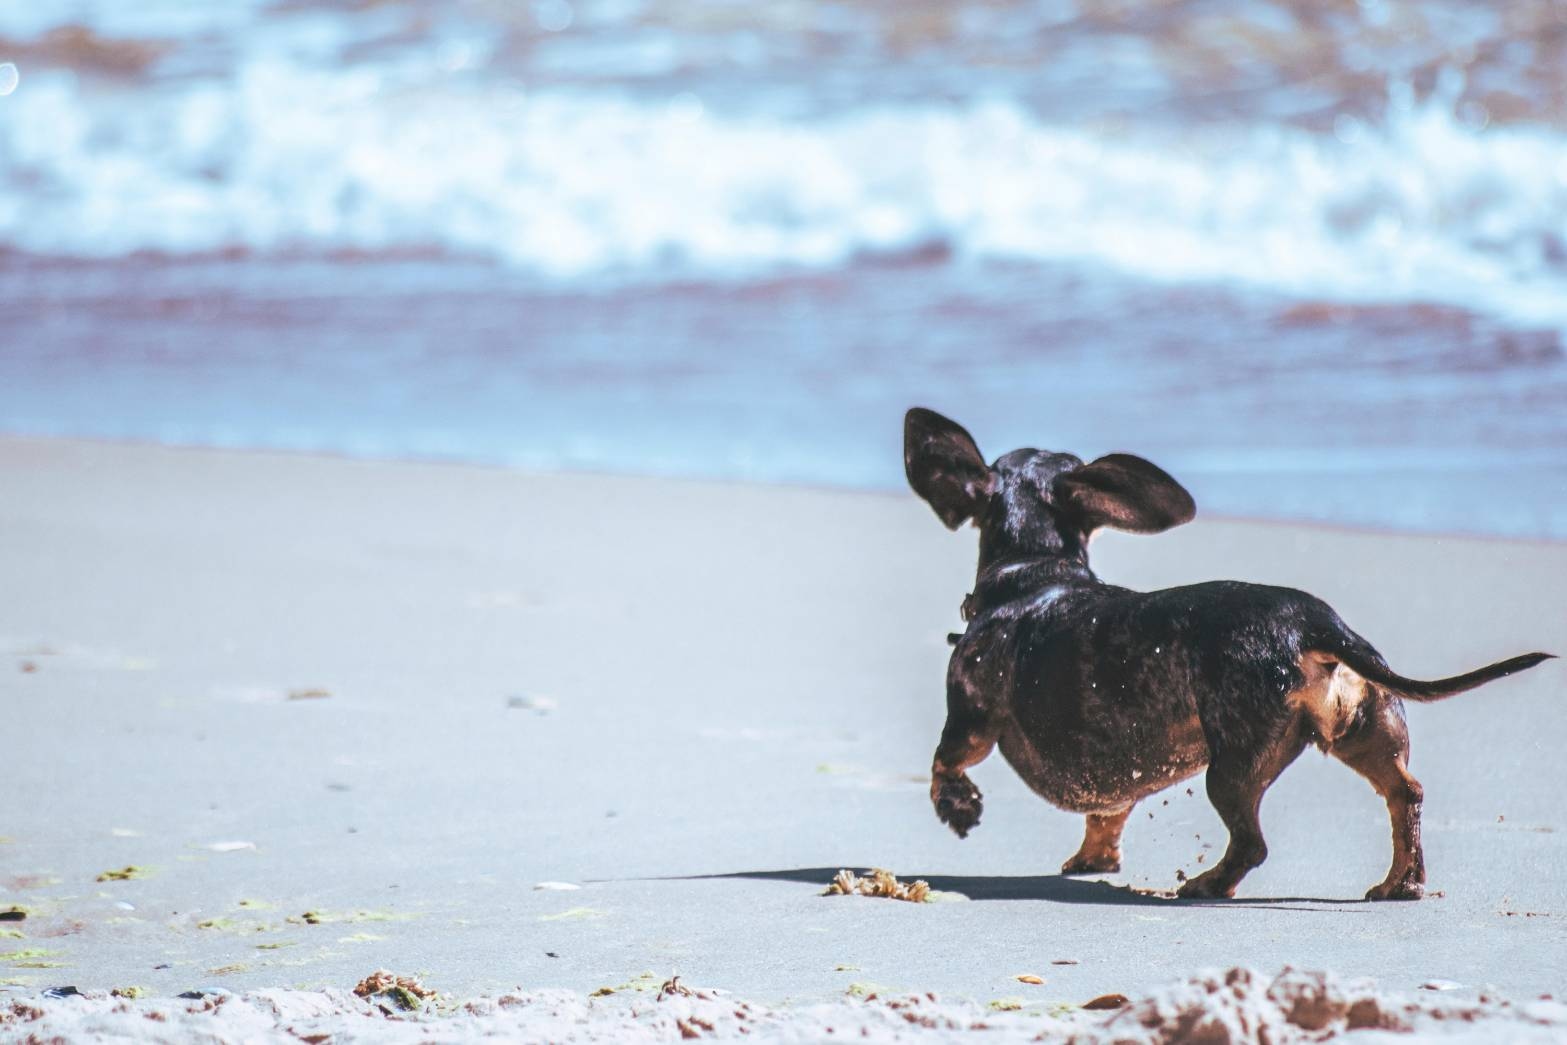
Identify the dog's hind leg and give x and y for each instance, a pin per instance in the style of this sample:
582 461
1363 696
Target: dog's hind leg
1236 783
1101 848
1377 747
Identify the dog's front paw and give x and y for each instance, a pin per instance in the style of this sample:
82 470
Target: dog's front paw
958 803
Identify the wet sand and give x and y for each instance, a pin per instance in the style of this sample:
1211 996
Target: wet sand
400 698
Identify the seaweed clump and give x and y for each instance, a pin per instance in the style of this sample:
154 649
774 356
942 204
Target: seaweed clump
877 882
406 992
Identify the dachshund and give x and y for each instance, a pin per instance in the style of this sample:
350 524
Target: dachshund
1099 696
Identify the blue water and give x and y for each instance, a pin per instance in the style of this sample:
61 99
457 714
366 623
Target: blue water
1312 260
1382 416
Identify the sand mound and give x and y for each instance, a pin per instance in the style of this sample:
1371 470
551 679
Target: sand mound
1210 1009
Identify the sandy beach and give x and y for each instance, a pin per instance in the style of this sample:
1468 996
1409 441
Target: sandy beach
278 721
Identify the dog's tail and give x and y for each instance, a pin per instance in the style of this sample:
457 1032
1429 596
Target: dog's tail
1359 655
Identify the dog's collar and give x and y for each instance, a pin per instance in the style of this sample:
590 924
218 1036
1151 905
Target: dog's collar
996 579
1005 569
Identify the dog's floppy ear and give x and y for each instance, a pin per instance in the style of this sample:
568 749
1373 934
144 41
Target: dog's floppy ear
1123 491
944 466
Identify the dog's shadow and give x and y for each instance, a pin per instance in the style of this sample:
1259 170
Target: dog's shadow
1054 888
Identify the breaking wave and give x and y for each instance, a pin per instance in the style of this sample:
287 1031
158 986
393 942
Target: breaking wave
291 158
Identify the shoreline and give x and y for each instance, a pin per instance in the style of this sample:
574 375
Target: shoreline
705 481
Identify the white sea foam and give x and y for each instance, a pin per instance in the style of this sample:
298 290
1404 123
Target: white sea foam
293 157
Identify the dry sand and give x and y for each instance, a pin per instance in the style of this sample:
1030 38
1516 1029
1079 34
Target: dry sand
401 698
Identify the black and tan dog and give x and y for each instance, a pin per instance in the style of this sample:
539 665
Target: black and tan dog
1099 696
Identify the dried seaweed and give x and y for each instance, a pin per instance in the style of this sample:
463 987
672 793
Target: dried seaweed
673 988
406 991
877 882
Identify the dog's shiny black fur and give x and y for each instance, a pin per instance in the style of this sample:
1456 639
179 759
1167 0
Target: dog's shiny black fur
1099 696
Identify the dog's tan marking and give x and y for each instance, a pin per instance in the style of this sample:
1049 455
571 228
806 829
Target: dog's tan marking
1101 848
1331 697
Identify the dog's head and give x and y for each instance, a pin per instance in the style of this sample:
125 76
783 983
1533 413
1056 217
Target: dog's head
1034 502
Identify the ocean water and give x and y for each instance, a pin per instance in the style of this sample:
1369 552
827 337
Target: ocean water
1310 256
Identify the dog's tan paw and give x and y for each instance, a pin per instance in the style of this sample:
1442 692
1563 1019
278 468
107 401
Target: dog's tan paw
958 804
1404 890
1094 863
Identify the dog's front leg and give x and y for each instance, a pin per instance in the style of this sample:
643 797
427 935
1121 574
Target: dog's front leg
965 741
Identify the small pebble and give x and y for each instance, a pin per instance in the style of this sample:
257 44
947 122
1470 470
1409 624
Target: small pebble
1441 985
1107 1001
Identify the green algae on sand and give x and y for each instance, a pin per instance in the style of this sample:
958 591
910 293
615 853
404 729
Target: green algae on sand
643 982
574 914
229 925
31 958
25 953
127 873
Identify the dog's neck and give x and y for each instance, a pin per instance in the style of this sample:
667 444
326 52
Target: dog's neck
1005 580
